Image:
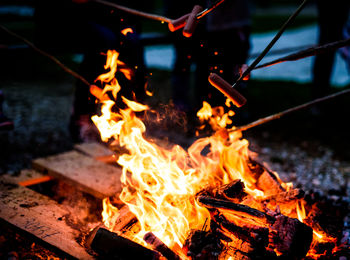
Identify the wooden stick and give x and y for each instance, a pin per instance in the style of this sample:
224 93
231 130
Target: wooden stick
135 12
269 46
55 60
288 111
307 53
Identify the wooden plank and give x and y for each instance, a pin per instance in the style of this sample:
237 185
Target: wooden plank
98 151
27 177
39 216
93 149
96 178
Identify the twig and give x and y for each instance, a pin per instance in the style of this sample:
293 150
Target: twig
307 53
269 46
154 16
135 12
290 110
55 60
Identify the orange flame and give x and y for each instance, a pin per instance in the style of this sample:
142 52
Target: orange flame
126 31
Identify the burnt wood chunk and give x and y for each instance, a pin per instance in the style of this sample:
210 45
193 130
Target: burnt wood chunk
233 191
41 217
110 245
290 237
89 175
202 244
156 244
234 208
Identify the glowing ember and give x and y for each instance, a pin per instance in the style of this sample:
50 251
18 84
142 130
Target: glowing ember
160 184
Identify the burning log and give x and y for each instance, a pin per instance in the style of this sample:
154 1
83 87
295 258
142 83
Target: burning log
237 209
290 237
109 245
156 244
284 196
233 191
203 245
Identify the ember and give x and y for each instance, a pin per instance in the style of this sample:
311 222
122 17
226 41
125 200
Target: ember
213 200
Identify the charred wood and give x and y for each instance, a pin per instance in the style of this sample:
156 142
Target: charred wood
203 245
269 183
109 245
233 191
234 208
290 237
156 244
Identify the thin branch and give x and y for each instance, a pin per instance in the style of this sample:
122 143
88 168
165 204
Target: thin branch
55 60
272 42
307 53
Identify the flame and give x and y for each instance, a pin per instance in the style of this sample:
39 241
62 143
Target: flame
126 31
160 183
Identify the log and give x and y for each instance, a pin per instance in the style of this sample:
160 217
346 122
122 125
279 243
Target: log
290 237
96 178
237 209
41 217
233 191
285 196
202 244
156 244
255 235
109 245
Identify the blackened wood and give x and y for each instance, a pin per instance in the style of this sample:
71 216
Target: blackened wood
109 245
257 236
202 244
290 237
238 209
233 191
156 244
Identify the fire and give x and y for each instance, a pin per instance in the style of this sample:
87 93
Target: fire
126 31
160 183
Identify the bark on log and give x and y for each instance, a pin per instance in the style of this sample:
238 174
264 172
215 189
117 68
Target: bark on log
109 245
156 244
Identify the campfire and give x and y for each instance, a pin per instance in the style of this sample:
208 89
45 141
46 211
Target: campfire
215 200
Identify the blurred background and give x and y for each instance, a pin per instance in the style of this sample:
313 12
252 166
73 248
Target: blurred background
38 95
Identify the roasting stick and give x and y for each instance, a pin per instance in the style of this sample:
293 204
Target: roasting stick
226 88
55 60
172 24
288 111
307 53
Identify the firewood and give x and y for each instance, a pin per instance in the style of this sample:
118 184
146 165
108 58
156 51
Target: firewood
237 209
290 237
285 196
156 244
255 235
109 245
233 191
202 244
